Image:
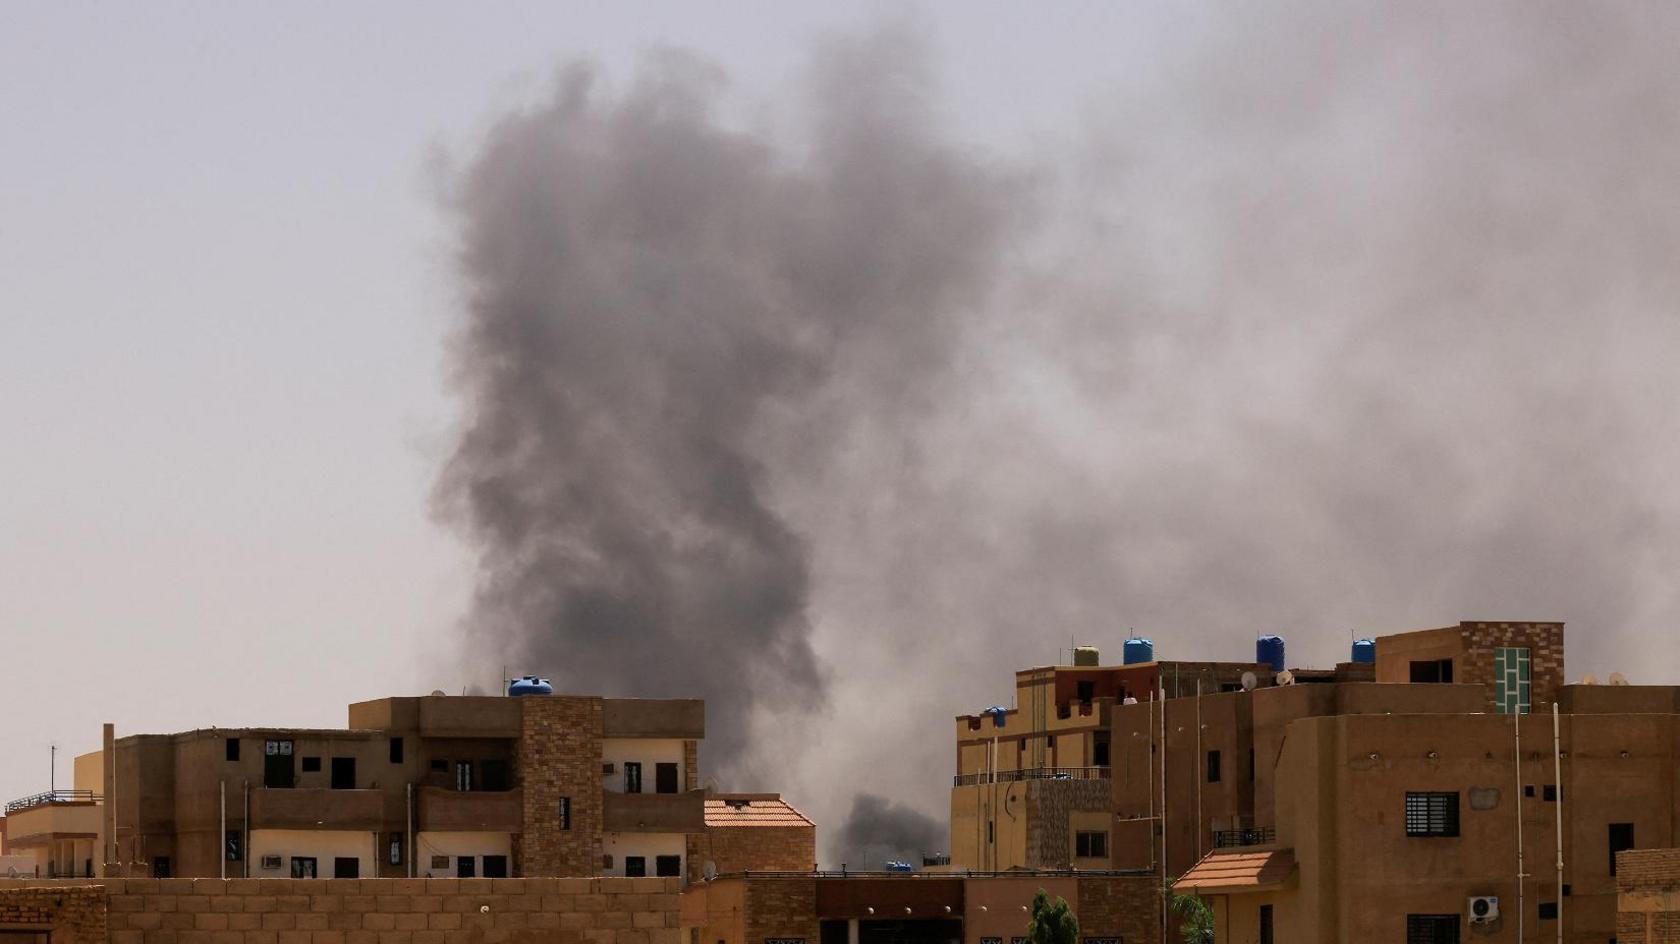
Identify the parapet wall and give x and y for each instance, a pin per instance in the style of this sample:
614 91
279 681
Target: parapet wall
347 911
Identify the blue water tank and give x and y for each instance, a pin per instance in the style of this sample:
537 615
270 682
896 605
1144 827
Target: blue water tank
1136 651
1365 651
1268 650
529 685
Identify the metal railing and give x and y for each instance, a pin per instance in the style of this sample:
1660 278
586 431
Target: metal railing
1250 836
1036 773
51 797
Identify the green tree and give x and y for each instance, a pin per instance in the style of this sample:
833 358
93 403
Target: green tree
1198 917
1053 922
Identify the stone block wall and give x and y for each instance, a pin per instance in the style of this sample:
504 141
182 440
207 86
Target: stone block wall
1127 907
1544 642
754 848
781 908
559 755
1648 896
355 911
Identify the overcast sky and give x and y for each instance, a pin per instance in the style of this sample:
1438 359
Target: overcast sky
1354 316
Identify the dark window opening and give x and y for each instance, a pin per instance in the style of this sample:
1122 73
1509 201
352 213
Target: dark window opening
1433 670
160 867
312 765
232 842
1621 840
1432 929
1548 911
667 865
632 776
1548 793
396 843
565 812
991 831
396 750
1251 763
344 773
1528 790
463 776
303 866
665 778
1213 766
1266 925
347 867
495 866
1432 814
440 766
1090 845
1568 890
1099 750
495 776
1087 691
635 866
465 867
232 748
278 772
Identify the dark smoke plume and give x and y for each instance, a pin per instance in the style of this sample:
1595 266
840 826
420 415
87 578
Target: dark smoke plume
878 831
649 293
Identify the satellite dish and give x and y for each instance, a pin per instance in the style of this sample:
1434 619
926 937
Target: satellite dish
438 693
1590 679
1617 678
709 870
1286 677
1249 681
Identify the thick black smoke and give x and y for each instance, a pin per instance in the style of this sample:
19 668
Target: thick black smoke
647 291
878 831
1331 316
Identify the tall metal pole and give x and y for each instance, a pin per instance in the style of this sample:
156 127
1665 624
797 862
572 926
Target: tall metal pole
1557 777
1196 771
1516 726
224 854
1163 812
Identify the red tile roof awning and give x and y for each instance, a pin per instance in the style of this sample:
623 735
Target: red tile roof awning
752 809
1229 873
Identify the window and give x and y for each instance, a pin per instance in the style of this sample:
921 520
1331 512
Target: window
1091 845
312 765
565 812
495 776
635 866
1548 911
396 750
1432 929
1433 670
1432 814
463 775
396 845
232 748
344 773
231 842
1266 925
1251 763
1213 766
440 766
665 778
277 765
1548 793
1528 790
1511 688
667 865
1099 750
632 777
991 831
303 867
160 867
495 866
1087 691
1621 840
465 867
347 867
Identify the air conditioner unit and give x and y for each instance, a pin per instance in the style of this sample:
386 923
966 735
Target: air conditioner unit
270 861
608 767
1484 909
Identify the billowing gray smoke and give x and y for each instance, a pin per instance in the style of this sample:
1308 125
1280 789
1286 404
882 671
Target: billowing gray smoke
1331 317
647 289
878 831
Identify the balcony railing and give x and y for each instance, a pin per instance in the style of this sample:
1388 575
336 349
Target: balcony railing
1036 773
1251 836
47 799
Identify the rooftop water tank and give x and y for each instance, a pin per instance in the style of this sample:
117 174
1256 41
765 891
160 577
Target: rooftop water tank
1268 650
529 685
1364 651
1136 651
1086 655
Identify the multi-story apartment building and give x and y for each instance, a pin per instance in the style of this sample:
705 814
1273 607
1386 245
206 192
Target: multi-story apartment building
1334 809
546 785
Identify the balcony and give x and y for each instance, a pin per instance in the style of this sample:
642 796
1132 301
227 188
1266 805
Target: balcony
683 718
1036 773
484 811
653 812
1249 836
47 818
317 808
469 717
66 797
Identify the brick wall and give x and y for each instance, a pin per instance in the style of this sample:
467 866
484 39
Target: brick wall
363 911
1049 802
755 848
559 755
1125 906
1648 899
1544 642
73 914
782 908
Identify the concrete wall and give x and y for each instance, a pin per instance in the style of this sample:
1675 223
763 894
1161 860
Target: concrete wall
648 752
647 845
454 845
322 845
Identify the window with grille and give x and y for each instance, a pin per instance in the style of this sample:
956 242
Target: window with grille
1432 814
1432 929
1511 688
1092 845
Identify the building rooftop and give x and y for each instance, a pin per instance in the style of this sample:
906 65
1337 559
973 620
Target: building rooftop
752 809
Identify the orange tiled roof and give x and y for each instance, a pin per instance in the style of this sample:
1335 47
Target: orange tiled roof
1228 872
752 809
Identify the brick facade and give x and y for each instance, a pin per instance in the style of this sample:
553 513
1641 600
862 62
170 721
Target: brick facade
755 848
351 911
1126 907
1544 642
1648 896
1049 845
781 908
559 756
